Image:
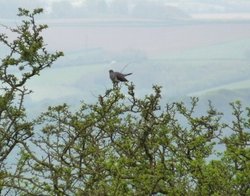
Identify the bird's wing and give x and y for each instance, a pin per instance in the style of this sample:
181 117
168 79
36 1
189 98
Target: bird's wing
120 77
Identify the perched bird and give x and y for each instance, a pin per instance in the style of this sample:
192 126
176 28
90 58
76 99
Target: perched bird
117 76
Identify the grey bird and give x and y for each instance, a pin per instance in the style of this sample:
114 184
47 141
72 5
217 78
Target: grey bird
117 76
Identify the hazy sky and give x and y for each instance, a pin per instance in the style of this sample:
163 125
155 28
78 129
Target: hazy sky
185 5
232 9
199 5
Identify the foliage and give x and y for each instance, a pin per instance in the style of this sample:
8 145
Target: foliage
27 57
120 145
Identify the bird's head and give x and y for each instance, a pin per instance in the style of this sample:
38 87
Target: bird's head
111 71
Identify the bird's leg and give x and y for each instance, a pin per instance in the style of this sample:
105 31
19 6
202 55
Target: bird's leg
115 85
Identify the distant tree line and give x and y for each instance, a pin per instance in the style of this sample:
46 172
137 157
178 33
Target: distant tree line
99 8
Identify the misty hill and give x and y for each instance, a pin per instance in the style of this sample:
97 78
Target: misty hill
194 59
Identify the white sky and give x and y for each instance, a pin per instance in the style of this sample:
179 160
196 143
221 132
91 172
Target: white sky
194 7
187 5
178 3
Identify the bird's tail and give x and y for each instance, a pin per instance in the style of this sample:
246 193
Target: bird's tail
127 74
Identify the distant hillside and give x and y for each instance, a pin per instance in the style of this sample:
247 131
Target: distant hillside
221 99
224 96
